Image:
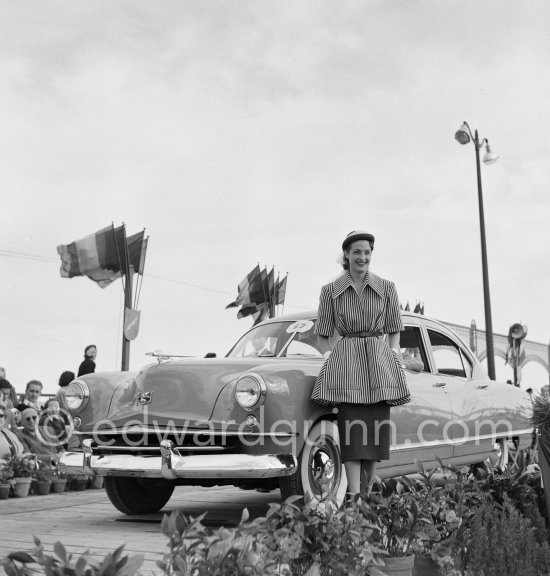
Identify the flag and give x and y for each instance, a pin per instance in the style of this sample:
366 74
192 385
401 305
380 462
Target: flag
280 291
422 309
137 249
102 256
407 307
249 289
417 308
261 314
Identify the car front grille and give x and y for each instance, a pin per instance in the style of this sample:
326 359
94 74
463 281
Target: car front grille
148 443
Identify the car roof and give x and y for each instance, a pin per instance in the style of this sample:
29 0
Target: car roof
312 314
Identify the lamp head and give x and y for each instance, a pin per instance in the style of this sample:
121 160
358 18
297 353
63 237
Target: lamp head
462 135
490 157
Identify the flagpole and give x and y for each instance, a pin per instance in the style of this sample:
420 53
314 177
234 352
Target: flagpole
125 364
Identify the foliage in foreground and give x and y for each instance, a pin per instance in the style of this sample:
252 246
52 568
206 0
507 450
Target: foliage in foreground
480 524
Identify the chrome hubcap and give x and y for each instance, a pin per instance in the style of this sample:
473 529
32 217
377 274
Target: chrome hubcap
324 470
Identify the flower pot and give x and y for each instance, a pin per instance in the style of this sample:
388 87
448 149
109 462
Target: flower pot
42 487
4 491
59 485
21 487
425 566
79 483
402 566
96 482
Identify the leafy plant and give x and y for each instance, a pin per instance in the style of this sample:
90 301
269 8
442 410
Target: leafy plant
43 473
59 474
23 466
61 563
6 470
194 551
397 520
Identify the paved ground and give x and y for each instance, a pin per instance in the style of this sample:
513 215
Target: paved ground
88 521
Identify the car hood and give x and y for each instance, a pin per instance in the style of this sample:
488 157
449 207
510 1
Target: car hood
183 391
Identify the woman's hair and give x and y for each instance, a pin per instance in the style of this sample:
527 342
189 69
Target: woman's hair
66 378
89 347
345 259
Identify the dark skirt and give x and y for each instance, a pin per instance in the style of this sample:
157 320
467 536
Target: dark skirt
365 431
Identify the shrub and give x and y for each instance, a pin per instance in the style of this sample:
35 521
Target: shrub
498 541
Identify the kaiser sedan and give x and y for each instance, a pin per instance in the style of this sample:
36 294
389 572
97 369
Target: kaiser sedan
247 419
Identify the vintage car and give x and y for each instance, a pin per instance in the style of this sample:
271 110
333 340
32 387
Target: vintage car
247 419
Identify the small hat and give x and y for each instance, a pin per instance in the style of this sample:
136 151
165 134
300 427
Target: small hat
4 384
28 412
356 235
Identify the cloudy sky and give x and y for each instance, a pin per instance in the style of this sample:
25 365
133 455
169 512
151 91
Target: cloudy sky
252 132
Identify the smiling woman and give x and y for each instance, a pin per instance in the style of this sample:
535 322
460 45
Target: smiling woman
363 375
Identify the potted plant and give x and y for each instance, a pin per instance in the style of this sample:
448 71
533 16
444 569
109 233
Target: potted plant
59 481
23 467
79 482
6 474
397 520
96 481
42 479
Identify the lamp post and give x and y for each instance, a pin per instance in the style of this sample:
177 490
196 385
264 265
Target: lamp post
464 135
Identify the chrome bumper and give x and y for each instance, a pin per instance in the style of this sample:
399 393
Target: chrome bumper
172 465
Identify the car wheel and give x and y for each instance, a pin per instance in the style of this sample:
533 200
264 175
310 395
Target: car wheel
320 475
138 495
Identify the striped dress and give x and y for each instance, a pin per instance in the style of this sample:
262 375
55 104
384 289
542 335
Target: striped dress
360 370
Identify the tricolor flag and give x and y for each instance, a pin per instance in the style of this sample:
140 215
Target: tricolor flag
259 293
250 289
103 256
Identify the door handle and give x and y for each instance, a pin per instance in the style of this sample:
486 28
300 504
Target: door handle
483 387
439 384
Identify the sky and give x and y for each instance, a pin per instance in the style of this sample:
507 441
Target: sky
238 133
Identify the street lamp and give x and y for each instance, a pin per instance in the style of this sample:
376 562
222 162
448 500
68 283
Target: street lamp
464 136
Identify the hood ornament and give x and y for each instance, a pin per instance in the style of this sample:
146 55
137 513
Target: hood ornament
143 398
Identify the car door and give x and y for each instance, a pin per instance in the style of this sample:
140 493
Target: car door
419 425
471 398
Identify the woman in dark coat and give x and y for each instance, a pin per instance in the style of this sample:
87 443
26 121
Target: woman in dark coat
87 366
363 375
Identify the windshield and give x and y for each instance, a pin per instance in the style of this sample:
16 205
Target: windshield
279 339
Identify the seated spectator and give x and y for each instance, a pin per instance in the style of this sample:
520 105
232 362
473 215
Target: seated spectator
53 425
33 392
11 419
64 380
9 442
13 393
32 440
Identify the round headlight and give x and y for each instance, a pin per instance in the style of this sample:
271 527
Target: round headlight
250 391
77 395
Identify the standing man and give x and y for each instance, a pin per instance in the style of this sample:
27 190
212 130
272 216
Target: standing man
87 366
33 391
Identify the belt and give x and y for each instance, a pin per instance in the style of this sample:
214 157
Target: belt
362 335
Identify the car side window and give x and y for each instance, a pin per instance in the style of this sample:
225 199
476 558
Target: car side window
412 350
448 357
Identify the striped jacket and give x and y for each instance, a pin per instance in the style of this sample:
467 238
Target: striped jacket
360 370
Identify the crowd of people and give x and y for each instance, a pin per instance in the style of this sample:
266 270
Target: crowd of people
29 426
